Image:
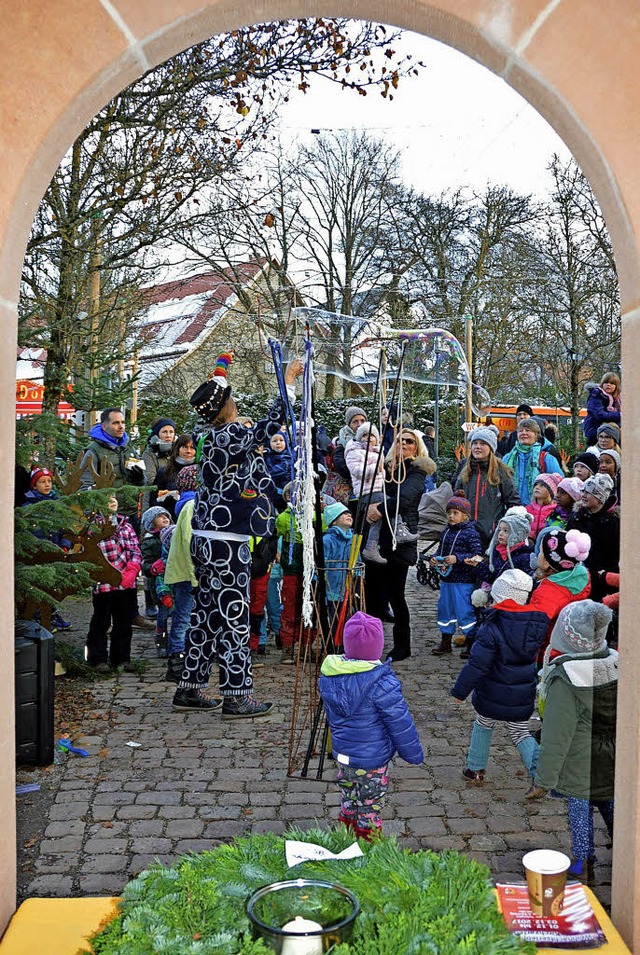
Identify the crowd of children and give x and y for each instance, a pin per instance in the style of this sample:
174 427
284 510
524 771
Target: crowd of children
527 585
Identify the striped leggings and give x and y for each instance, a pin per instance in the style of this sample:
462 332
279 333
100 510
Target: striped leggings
521 738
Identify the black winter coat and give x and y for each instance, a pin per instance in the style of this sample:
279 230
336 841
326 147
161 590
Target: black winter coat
409 493
488 503
502 671
603 528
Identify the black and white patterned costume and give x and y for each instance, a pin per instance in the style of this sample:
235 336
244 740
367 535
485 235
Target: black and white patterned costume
234 502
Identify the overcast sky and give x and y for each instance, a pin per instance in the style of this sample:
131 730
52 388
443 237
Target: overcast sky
457 124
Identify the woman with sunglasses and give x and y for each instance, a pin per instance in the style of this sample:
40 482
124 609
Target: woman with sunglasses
407 464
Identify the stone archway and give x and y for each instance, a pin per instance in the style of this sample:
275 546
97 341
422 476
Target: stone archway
573 60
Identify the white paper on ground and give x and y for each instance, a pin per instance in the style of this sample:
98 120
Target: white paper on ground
297 852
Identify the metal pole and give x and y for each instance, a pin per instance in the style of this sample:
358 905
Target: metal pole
469 352
436 409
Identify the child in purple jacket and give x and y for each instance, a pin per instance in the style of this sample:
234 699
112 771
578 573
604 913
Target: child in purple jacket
369 721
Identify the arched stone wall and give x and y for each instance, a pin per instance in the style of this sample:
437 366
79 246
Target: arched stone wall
573 60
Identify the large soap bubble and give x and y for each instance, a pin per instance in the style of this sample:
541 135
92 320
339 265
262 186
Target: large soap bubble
359 349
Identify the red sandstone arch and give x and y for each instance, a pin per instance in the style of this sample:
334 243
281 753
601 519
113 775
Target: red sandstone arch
573 60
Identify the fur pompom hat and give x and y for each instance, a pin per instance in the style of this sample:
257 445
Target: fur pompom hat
564 549
459 502
581 628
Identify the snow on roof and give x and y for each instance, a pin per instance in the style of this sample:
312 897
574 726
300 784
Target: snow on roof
30 364
181 313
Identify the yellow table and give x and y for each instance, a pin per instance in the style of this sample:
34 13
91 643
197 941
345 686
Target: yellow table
62 927
614 944
56 926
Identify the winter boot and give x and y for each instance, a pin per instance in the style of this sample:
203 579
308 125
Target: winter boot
174 667
161 644
474 776
372 554
583 869
349 821
369 835
287 658
444 646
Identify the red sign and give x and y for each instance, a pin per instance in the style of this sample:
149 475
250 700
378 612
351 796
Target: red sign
29 400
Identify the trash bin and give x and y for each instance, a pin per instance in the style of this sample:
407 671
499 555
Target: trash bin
34 672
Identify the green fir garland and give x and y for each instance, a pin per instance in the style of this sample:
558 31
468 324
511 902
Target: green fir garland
411 902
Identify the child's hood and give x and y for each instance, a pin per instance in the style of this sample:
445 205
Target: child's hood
350 681
336 664
586 671
574 580
346 533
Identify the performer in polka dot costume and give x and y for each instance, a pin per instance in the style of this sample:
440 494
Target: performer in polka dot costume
234 502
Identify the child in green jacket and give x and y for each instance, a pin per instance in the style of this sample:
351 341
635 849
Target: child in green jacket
579 684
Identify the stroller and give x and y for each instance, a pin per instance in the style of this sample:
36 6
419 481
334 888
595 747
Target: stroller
432 520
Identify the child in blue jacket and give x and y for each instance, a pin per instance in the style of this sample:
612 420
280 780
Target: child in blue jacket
369 721
459 543
337 549
502 673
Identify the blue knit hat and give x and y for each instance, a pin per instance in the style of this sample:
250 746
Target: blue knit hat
333 512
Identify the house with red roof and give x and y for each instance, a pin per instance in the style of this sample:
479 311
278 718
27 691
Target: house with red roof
187 322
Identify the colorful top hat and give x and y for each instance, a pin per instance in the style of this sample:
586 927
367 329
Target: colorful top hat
212 395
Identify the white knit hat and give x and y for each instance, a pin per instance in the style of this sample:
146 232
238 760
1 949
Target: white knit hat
512 585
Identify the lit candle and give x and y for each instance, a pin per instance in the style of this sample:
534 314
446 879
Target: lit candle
305 945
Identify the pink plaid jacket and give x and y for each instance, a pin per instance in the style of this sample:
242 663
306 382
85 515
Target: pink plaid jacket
120 549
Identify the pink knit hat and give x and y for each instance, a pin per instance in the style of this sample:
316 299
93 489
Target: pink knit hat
550 481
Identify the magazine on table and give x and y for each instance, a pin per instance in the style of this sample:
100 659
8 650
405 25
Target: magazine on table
575 927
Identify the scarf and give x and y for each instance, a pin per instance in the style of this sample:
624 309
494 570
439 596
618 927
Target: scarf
523 460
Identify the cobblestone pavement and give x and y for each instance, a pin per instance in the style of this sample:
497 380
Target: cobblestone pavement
197 780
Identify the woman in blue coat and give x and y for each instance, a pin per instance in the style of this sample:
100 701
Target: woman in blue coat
369 721
502 673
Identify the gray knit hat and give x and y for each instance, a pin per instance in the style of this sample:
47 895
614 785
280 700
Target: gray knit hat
610 428
352 412
487 433
519 522
512 585
581 628
600 485
150 515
